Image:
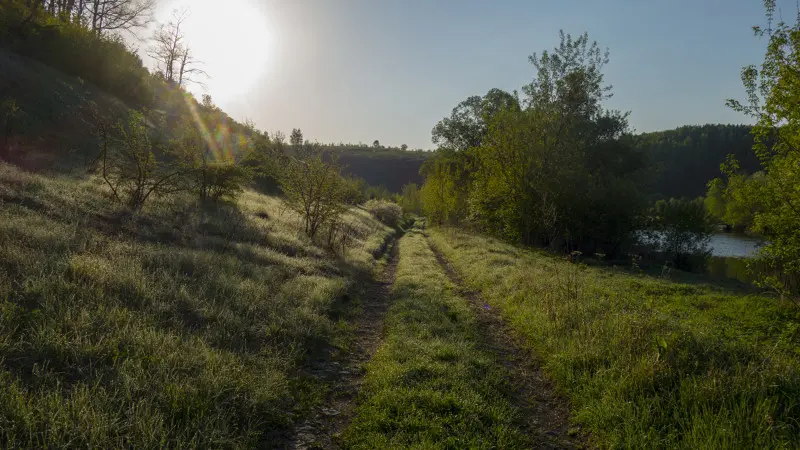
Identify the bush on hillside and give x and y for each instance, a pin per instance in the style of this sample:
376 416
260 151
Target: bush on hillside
410 199
387 212
315 190
129 165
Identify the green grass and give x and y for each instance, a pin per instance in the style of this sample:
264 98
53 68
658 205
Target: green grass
181 327
646 362
429 385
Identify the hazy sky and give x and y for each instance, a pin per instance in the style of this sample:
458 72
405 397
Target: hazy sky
360 70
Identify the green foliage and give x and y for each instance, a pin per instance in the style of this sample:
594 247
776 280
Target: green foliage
772 98
130 166
468 122
731 200
213 176
645 362
444 193
387 212
315 190
410 199
431 384
296 138
682 230
559 171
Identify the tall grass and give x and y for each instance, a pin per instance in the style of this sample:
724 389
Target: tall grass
182 327
430 385
646 362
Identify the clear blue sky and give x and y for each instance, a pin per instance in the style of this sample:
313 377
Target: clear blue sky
359 70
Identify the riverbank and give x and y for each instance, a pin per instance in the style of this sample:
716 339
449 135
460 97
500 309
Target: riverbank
646 362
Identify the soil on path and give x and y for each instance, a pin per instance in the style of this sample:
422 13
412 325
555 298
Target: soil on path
344 375
545 415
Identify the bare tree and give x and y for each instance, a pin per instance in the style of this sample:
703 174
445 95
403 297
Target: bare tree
98 15
173 54
119 15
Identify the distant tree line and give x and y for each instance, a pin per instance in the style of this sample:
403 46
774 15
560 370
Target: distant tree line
684 159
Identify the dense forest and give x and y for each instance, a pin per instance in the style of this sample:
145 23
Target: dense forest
684 159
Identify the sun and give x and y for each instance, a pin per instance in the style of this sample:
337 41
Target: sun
232 39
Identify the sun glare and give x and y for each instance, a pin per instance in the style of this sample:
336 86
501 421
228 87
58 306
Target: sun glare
231 38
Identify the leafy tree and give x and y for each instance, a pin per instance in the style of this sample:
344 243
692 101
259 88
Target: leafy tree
444 193
773 95
315 190
730 199
410 199
129 164
296 138
404 147
211 176
467 125
376 144
556 169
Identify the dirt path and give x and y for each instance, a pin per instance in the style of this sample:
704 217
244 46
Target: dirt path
345 375
545 416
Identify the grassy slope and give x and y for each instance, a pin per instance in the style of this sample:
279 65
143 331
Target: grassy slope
183 327
647 362
429 385
53 126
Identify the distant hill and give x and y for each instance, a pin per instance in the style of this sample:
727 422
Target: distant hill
687 157
388 167
684 159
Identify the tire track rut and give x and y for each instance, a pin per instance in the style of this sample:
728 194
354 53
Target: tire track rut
345 376
544 415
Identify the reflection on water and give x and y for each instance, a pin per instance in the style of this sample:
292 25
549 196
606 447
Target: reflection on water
730 268
734 245
729 256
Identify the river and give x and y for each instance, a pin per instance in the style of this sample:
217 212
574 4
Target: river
730 245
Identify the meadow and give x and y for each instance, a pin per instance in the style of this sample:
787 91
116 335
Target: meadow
646 362
184 326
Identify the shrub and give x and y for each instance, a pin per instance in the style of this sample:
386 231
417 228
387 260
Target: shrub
411 199
223 181
387 212
315 190
129 164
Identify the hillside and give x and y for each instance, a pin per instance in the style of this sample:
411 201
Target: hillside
687 158
390 168
683 160
179 327
53 128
